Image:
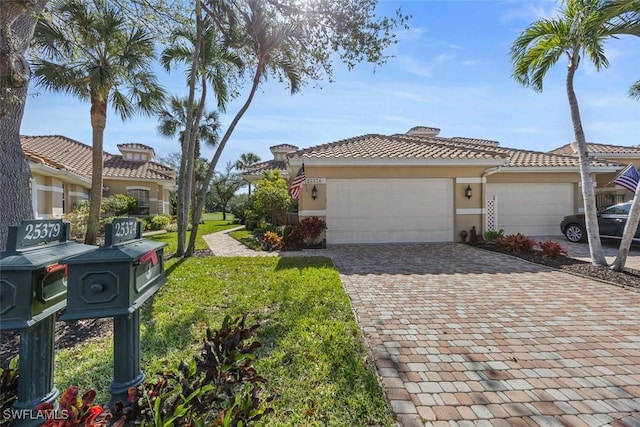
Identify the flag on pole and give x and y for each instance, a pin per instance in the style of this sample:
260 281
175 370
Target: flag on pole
294 190
628 178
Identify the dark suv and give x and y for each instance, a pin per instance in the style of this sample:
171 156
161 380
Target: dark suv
611 221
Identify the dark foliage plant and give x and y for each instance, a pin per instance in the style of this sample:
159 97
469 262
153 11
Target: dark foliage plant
516 243
304 233
551 249
8 388
220 387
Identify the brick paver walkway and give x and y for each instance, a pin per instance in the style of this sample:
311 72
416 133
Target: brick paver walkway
466 337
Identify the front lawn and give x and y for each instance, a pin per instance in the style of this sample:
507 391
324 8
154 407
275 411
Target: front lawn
312 353
245 237
208 227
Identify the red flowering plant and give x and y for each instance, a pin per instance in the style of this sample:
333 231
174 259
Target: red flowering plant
73 411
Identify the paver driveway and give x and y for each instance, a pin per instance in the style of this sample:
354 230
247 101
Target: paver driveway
466 337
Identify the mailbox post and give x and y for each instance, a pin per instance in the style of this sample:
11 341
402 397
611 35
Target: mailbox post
33 287
114 281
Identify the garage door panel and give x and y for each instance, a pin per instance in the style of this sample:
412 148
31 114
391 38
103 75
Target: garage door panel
533 209
389 210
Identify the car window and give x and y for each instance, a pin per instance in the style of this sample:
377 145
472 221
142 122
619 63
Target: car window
617 210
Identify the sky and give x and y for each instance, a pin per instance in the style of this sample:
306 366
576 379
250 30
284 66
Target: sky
451 70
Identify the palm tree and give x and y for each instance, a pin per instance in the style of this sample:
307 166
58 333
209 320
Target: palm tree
94 54
243 163
173 122
580 30
209 62
272 50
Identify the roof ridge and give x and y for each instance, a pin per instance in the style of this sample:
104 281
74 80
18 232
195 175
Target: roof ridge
335 143
443 141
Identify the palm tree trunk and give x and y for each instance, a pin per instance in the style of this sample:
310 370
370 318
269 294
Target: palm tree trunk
98 124
202 193
629 233
588 192
187 162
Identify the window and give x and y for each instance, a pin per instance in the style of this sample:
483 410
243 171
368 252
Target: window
142 196
618 210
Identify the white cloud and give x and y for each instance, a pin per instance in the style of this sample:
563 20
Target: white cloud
422 68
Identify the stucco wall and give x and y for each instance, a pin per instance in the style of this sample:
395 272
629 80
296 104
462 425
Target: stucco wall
467 212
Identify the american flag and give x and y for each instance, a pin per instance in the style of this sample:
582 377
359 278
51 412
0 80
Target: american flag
294 190
628 178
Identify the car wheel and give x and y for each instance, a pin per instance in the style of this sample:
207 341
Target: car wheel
575 233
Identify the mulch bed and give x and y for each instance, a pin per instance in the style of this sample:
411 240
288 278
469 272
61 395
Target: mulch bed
68 334
627 278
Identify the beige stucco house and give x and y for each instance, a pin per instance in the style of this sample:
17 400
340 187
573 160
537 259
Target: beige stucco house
61 175
607 193
420 187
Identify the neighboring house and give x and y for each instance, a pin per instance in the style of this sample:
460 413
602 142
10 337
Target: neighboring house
418 187
607 193
279 162
61 175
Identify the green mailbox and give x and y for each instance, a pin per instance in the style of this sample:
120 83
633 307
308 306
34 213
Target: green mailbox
117 278
33 287
33 278
114 281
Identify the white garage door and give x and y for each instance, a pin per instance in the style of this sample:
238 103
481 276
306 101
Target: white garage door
389 210
530 209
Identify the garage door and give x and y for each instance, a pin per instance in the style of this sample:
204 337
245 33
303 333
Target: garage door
530 209
389 210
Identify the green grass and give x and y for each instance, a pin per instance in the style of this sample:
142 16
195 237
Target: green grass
312 353
209 226
216 216
246 238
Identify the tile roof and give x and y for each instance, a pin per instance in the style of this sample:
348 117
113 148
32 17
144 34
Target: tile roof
398 146
258 168
423 129
283 147
135 146
594 148
66 153
417 146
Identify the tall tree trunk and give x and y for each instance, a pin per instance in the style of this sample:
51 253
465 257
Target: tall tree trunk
187 162
17 22
202 193
629 233
588 192
98 125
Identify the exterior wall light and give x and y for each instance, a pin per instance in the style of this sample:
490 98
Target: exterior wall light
314 193
468 192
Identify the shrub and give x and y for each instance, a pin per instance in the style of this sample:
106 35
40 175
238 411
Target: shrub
493 235
271 241
551 249
172 227
516 243
78 219
159 222
311 228
119 204
220 387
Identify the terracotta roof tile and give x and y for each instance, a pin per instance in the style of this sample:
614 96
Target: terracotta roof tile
258 168
416 146
399 146
62 152
594 148
135 146
284 146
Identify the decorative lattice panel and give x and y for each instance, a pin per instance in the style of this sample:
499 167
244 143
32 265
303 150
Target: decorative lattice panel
492 220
